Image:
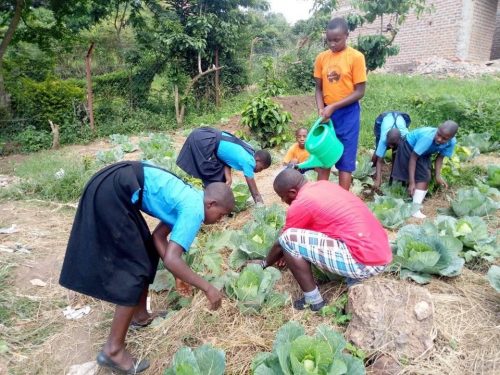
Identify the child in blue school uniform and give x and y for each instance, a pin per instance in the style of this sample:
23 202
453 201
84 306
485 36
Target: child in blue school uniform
390 127
209 154
112 256
413 159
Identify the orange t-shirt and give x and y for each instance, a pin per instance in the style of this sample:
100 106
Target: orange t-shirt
339 72
295 152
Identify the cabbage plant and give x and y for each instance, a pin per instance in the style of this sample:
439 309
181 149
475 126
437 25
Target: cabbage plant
256 237
364 168
241 194
123 141
391 212
204 360
474 202
420 251
493 276
472 231
294 352
253 288
481 141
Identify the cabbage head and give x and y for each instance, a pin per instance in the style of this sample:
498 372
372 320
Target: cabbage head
294 352
473 202
420 251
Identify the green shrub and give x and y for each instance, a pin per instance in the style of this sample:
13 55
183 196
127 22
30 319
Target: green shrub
267 120
51 99
32 140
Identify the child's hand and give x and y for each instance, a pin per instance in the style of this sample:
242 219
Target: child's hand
411 188
183 288
214 296
441 182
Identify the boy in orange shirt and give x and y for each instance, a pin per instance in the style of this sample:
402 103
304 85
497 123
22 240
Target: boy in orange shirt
297 153
340 75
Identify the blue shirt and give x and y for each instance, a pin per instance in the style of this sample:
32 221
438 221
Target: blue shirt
236 157
174 203
422 142
387 124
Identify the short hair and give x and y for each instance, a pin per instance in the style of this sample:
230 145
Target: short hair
393 133
265 157
338 23
287 179
220 193
299 129
450 127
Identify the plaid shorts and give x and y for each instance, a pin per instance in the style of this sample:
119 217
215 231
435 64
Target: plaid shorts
326 253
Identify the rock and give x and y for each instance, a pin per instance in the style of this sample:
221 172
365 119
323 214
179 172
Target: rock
88 368
38 282
422 310
391 316
384 365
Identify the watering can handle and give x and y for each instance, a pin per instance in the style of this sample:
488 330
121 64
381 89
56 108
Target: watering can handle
318 121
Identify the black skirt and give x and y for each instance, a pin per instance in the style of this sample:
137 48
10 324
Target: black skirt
198 156
110 253
400 167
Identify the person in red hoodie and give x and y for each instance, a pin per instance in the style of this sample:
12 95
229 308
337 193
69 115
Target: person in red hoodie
329 227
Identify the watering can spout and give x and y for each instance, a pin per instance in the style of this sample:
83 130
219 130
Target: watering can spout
311 162
323 146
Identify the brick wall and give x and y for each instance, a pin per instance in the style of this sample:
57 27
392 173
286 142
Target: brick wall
457 29
483 29
495 48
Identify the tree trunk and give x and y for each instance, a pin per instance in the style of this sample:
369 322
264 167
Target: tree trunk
5 42
55 135
217 83
90 99
178 119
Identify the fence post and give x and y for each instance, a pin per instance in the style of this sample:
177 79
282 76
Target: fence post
90 99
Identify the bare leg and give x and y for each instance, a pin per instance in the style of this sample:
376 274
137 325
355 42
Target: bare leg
141 314
345 179
301 270
421 185
323 174
114 347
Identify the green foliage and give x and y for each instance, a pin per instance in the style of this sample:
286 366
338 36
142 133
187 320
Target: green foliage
123 141
391 212
51 99
337 312
494 277
253 288
296 353
157 147
465 153
270 85
493 176
257 236
267 121
395 190
474 202
241 195
420 251
297 71
376 49
204 360
32 140
364 168
204 256
164 282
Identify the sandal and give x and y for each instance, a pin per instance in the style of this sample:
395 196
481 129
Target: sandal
139 325
104 360
301 304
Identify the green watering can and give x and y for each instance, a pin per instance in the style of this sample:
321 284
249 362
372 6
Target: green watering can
323 146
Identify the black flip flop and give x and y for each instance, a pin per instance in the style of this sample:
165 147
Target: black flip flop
137 325
104 361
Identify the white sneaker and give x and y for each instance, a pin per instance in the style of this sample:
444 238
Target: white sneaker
419 215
